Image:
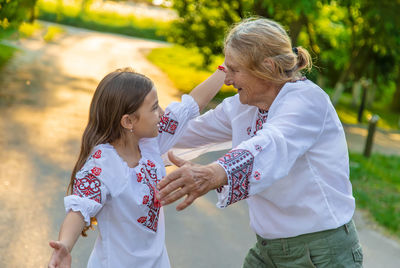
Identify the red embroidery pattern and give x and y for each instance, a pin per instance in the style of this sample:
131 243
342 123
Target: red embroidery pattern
258 147
261 119
148 176
97 154
139 177
167 124
249 131
142 219
238 164
88 187
257 175
96 171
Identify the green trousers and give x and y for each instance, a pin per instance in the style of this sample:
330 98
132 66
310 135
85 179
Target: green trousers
332 248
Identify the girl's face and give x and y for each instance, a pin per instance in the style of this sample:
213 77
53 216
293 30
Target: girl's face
148 117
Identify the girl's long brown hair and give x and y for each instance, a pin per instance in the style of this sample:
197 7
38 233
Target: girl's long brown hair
120 92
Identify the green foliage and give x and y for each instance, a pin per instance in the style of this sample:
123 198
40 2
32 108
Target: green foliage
184 67
14 12
349 40
28 29
103 21
6 54
376 186
52 33
203 23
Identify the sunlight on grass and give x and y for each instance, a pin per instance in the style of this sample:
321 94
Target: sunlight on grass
70 13
53 32
6 54
28 29
183 67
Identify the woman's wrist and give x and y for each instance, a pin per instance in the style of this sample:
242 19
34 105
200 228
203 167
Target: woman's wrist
218 175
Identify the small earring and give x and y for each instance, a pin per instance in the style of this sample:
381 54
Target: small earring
131 130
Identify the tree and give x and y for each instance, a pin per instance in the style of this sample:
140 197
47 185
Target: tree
12 13
373 48
203 23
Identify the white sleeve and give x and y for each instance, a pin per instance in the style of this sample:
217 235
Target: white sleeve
174 121
257 163
214 126
89 192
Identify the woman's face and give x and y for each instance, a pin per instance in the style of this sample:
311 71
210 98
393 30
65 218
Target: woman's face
252 90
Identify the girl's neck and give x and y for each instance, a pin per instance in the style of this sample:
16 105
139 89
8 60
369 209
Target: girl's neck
128 150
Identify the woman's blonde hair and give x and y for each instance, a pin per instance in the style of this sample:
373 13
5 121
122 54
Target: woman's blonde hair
120 92
265 49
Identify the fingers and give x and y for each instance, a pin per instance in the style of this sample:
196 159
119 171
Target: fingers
177 161
168 179
55 244
172 197
187 202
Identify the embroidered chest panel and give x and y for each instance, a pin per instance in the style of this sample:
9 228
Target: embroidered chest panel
148 177
261 118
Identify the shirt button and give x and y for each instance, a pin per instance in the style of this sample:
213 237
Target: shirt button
264 243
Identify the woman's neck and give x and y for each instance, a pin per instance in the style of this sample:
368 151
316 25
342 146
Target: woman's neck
128 150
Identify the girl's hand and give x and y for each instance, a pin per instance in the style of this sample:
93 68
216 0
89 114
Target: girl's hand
61 257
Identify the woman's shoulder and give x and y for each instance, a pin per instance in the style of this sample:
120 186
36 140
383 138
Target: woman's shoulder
304 89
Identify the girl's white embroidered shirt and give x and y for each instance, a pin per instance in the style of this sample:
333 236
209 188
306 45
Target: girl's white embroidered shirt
290 164
130 218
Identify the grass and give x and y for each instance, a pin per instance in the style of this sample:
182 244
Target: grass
29 29
6 54
102 20
376 187
52 33
348 114
184 67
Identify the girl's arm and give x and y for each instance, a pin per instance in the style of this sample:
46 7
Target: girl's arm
204 92
69 233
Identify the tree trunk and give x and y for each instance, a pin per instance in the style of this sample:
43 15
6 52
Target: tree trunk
295 27
395 106
356 94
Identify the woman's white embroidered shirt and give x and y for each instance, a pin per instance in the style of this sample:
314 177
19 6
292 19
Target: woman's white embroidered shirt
290 163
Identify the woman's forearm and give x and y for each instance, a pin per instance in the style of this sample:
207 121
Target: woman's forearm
204 92
71 229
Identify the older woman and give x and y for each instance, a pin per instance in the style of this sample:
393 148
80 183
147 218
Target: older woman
289 159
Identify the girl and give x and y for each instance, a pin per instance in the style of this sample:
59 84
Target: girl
118 168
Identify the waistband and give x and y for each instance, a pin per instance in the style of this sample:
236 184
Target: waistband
305 238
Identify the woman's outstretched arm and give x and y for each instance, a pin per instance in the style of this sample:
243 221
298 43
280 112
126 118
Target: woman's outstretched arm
69 233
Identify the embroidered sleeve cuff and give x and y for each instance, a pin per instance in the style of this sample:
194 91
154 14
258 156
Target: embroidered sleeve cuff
87 207
238 165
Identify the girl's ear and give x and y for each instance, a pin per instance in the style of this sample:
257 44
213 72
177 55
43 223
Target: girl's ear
127 121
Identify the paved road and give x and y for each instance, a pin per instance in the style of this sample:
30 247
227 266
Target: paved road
47 89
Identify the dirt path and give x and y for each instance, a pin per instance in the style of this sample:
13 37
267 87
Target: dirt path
47 88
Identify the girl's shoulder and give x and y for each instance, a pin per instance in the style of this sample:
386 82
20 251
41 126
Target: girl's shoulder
105 164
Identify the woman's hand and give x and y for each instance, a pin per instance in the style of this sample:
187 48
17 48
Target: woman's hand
189 179
61 257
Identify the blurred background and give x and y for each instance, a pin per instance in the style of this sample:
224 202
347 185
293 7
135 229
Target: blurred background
53 53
